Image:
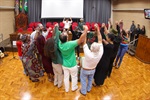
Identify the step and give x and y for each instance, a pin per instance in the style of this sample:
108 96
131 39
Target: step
131 53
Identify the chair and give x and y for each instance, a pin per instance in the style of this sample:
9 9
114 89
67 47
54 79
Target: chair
20 30
74 26
31 25
92 26
48 24
61 26
35 24
89 27
75 23
87 23
54 23
29 29
21 21
99 24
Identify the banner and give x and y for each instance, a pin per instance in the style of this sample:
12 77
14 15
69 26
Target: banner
20 5
17 7
26 6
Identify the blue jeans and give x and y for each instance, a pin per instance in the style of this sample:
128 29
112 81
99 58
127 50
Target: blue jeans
121 52
84 75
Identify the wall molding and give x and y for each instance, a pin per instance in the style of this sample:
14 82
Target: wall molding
129 9
6 7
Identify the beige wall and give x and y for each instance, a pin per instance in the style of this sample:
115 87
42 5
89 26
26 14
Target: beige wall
6 18
135 14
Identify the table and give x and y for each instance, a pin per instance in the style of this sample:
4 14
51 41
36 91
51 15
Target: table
13 36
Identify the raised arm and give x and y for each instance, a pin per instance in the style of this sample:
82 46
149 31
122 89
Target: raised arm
83 36
71 20
98 33
56 31
64 20
105 30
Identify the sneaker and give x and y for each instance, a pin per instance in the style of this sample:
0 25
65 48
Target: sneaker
114 64
75 89
117 67
82 93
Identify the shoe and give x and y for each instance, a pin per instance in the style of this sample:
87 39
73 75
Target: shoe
67 91
36 80
82 93
117 67
88 91
59 86
55 84
94 84
114 64
50 80
75 89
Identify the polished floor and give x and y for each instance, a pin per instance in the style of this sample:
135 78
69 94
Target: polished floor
130 82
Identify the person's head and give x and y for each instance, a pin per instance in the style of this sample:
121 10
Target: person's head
25 38
143 27
132 22
116 23
49 48
138 25
63 37
81 20
95 47
103 25
40 26
110 37
67 19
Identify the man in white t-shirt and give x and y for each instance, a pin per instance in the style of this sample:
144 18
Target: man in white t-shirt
39 28
90 61
67 23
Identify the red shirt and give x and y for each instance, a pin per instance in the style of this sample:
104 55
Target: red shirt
49 35
19 44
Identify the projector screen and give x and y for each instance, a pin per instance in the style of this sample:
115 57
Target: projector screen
62 8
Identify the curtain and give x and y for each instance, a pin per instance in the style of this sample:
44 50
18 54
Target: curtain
94 11
34 11
97 10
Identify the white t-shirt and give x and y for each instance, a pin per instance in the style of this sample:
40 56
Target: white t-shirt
32 35
34 32
67 24
91 59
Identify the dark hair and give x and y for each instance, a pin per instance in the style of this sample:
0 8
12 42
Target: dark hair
63 38
49 48
24 38
123 33
111 36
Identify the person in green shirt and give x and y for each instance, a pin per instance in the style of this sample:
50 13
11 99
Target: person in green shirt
51 50
67 49
81 24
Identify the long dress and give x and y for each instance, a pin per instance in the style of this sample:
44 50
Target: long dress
47 63
117 42
32 66
103 65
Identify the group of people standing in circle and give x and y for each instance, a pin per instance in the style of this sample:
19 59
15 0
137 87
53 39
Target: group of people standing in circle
56 55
